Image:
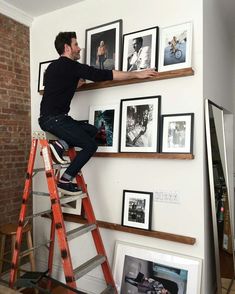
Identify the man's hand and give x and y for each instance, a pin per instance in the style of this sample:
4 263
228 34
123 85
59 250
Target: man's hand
143 74
81 82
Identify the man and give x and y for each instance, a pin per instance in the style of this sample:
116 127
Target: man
140 58
62 78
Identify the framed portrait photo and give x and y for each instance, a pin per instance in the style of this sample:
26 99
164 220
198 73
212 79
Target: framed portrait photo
105 118
177 133
103 45
140 50
139 268
175 47
41 75
137 209
139 124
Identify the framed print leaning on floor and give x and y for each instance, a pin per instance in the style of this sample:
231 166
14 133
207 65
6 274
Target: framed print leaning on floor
103 45
139 124
175 47
105 118
140 269
177 133
140 50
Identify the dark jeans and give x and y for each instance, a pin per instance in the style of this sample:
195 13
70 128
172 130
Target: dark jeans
75 134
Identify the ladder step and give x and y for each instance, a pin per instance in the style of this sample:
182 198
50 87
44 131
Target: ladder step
80 231
38 214
89 266
109 290
26 252
66 198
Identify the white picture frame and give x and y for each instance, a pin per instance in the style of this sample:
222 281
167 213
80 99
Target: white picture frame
135 265
106 119
140 124
175 47
41 74
177 133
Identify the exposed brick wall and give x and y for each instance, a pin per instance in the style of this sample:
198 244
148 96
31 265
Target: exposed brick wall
15 111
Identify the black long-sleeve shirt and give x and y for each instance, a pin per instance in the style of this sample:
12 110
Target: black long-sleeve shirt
61 80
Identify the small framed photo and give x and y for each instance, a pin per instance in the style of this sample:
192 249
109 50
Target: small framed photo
177 133
137 209
139 124
103 45
140 50
105 118
140 269
41 76
175 49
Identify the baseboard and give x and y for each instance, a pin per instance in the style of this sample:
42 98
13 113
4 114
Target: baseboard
88 283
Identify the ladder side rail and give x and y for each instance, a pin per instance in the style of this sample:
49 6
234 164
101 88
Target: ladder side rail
26 193
91 219
57 215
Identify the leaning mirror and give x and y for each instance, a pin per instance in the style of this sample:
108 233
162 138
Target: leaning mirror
220 196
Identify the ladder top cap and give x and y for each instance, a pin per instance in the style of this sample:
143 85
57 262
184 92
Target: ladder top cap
41 135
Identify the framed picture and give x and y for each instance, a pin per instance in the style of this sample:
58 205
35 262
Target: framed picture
42 70
140 50
175 47
139 124
103 45
105 118
177 133
139 269
137 209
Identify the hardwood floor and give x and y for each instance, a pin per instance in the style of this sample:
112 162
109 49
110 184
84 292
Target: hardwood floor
225 286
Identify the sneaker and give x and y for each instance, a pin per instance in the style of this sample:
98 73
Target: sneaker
57 152
69 188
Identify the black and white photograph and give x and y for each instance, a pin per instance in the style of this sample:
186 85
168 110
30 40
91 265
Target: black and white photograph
140 269
103 45
140 50
137 209
105 119
175 47
139 124
41 75
177 133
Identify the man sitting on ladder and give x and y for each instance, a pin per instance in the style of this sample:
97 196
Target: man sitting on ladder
63 76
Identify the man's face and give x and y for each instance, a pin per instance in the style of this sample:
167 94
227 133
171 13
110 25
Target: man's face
75 49
136 45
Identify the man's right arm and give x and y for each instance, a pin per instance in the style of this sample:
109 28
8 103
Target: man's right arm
127 75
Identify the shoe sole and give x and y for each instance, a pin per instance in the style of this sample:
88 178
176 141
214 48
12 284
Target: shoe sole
57 158
66 192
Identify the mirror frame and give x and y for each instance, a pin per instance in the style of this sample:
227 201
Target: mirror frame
212 192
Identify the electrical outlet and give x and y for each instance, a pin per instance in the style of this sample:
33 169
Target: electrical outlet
169 196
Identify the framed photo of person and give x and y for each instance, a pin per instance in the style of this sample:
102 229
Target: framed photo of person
139 124
103 45
140 50
138 267
42 70
175 47
105 118
177 133
137 209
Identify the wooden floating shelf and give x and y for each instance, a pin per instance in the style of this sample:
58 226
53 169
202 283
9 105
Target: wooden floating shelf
145 155
117 227
160 76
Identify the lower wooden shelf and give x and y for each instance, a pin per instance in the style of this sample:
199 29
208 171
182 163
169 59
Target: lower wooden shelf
154 234
145 155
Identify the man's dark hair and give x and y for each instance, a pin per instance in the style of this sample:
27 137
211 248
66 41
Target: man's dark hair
63 38
139 40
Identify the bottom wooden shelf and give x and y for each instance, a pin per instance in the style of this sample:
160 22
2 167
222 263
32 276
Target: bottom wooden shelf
117 227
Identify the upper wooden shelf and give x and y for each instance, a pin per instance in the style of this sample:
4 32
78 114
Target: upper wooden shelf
145 155
161 76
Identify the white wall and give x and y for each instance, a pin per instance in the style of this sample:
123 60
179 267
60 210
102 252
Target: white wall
107 177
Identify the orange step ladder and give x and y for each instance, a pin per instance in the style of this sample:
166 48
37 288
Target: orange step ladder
57 223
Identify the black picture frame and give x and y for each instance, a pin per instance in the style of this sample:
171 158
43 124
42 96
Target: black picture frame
139 124
111 34
147 56
137 209
177 133
41 73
